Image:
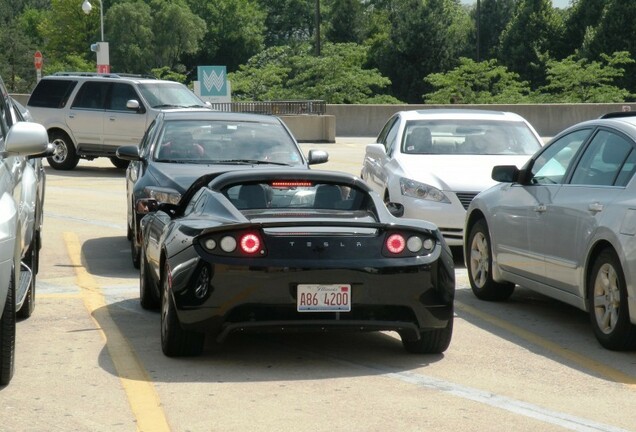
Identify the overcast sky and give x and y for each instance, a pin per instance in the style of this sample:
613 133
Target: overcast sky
556 3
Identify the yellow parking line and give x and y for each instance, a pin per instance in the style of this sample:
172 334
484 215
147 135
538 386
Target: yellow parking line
592 365
142 397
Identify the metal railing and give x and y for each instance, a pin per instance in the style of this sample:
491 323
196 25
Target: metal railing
315 107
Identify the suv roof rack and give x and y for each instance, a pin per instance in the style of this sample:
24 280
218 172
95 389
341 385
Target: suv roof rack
105 75
618 114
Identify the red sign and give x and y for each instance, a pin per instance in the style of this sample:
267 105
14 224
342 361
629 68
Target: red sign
37 60
103 69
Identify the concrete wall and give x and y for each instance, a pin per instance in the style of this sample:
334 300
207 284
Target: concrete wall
312 128
367 120
547 119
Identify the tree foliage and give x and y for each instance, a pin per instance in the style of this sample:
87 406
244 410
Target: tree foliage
395 45
473 82
579 80
532 33
292 73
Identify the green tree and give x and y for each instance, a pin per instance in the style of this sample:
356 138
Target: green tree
131 47
16 58
494 16
287 21
531 34
425 37
338 76
177 32
235 32
473 82
575 80
344 20
582 17
68 31
616 31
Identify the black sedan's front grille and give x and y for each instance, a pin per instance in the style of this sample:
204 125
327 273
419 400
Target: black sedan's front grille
465 198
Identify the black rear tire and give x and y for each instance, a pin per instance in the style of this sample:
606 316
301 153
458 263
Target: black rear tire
147 295
175 341
65 155
607 304
134 248
479 266
434 341
7 335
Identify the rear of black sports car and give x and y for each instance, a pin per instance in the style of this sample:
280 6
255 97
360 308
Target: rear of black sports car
314 276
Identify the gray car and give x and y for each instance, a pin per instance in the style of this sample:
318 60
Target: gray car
565 226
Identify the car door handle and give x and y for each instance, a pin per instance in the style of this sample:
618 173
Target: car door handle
595 207
112 118
541 208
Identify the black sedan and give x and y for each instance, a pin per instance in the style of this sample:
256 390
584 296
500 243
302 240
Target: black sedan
182 144
292 249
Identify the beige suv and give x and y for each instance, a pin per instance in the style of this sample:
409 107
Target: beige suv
90 115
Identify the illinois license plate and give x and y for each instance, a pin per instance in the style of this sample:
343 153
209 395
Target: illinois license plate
323 298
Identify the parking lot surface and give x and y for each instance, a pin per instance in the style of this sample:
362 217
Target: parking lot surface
89 359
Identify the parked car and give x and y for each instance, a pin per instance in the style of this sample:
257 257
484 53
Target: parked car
564 225
292 249
435 161
19 246
90 115
34 187
181 145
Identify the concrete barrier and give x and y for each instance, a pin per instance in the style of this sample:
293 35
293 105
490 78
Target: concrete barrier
367 120
547 119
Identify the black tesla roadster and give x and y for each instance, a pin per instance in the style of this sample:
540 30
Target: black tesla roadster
292 249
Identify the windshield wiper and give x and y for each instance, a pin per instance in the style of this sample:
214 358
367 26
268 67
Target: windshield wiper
249 162
168 106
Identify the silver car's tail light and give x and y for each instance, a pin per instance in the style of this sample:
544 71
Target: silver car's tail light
210 244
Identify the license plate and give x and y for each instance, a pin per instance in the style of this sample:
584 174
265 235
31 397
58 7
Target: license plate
323 298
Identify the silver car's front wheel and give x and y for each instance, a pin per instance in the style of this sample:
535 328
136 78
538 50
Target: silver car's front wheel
607 302
480 266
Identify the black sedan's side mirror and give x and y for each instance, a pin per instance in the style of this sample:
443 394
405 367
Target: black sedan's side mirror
317 157
128 152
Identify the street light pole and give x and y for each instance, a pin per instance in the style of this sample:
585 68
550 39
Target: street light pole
101 48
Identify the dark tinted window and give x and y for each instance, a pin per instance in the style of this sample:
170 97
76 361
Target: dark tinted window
603 159
91 95
120 94
52 93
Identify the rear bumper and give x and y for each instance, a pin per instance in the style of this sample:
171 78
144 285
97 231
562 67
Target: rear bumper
407 299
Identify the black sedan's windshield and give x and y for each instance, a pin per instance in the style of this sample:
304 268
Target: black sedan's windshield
226 142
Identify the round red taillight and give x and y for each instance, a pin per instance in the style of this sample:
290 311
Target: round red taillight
395 243
250 243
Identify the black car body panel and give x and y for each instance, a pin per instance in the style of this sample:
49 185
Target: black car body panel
408 292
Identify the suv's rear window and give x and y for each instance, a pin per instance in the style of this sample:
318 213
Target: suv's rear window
51 93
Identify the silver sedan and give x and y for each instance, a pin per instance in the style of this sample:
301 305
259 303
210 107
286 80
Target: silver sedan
565 226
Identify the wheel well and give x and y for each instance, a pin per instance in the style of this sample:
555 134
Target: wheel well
475 216
591 258
60 131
